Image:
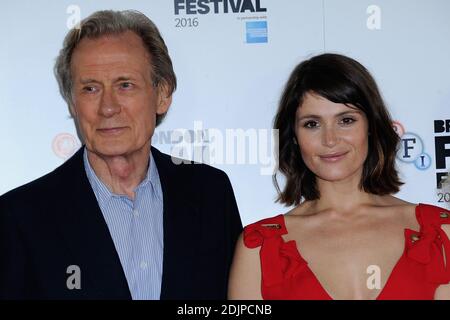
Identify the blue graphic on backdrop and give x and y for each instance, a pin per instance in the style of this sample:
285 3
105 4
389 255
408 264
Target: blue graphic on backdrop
256 31
412 150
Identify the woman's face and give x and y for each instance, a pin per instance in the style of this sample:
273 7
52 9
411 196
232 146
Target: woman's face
332 137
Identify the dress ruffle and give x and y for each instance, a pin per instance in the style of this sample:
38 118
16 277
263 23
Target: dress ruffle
280 260
431 246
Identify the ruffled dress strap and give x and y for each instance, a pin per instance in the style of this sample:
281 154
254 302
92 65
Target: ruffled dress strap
431 245
256 233
280 260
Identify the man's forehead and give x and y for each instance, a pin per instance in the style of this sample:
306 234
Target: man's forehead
110 56
128 37
121 47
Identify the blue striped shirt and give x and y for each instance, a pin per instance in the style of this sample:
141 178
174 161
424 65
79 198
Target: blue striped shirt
136 227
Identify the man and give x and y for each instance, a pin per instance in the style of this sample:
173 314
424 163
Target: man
119 220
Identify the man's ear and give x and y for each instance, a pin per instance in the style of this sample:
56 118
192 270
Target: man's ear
72 110
164 99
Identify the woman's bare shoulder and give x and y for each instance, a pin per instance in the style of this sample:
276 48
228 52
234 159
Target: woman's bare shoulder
394 201
402 210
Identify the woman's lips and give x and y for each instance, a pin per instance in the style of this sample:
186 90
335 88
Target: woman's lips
333 157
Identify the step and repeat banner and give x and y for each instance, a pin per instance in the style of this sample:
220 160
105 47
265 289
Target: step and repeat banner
232 59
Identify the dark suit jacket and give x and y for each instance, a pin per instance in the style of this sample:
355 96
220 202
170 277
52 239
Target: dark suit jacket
55 221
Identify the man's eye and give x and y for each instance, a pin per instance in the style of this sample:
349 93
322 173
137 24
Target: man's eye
310 124
126 85
89 89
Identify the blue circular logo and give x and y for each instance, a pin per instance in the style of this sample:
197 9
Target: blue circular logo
411 147
423 161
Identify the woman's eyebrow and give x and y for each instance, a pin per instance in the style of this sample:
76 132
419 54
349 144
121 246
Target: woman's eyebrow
340 114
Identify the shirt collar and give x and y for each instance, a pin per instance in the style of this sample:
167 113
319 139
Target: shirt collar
103 193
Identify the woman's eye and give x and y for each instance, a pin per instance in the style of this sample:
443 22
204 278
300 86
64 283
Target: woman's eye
348 120
310 124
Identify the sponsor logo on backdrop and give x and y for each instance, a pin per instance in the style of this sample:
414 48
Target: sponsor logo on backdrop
442 149
256 31
191 7
412 148
64 145
251 13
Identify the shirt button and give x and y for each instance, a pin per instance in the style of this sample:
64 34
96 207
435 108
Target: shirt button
143 265
135 213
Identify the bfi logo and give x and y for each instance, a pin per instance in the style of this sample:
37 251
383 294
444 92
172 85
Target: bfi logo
442 149
412 150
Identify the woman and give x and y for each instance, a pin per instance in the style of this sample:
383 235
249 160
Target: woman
347 237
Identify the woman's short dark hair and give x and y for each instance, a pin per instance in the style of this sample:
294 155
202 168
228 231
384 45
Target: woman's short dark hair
339 79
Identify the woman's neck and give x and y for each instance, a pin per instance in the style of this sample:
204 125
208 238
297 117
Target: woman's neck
343 196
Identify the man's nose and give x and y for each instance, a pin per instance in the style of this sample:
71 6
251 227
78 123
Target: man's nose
109 106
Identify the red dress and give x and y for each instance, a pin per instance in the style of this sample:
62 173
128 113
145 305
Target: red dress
416 275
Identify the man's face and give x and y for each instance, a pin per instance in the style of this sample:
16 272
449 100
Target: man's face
114 100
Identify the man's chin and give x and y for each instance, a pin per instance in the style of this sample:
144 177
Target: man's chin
114 150
110 151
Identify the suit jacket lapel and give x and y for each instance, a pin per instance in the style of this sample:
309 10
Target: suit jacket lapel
181 228
87 235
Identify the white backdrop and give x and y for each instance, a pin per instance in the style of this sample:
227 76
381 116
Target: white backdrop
231 67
